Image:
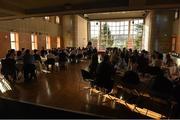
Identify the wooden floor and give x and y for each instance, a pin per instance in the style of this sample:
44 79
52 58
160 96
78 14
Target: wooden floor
63 89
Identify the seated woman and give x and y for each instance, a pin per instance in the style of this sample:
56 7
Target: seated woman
50 60
104 74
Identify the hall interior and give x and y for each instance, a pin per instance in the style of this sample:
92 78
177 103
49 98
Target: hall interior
72 24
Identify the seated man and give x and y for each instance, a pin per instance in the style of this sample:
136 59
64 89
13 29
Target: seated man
104 74
62 59
29 67
9 66
50 60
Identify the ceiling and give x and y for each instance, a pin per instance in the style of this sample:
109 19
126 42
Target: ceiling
116 15
10 9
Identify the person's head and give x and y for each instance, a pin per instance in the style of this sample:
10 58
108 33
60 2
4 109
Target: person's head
168 56
22 49
12 53
27 51
19 53
50 51
35 51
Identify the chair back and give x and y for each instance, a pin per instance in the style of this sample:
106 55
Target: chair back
86 75
161 87
131 77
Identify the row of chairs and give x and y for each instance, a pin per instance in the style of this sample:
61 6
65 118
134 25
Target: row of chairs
138 93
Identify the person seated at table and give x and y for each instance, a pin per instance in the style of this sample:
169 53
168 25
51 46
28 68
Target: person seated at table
37 56
104 74
29 67
169 61
19 64
79 54
43 52
94 63
9 66
50 60
62 59
72 55
37 60
19 56
158 60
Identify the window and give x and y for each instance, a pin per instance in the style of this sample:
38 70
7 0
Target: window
58 42
48 42
14 37
57 20
34 41
47 18
118 32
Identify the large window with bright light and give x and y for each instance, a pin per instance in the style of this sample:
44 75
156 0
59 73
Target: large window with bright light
14 37
117 33
58 42
48 42
47 18
95 32
34 41
57 19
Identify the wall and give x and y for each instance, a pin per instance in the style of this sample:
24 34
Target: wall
25 27
53 42
29 25
80 32
25 41
4 43
41 41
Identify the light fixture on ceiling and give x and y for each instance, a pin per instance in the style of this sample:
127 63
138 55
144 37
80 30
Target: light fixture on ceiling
85 15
